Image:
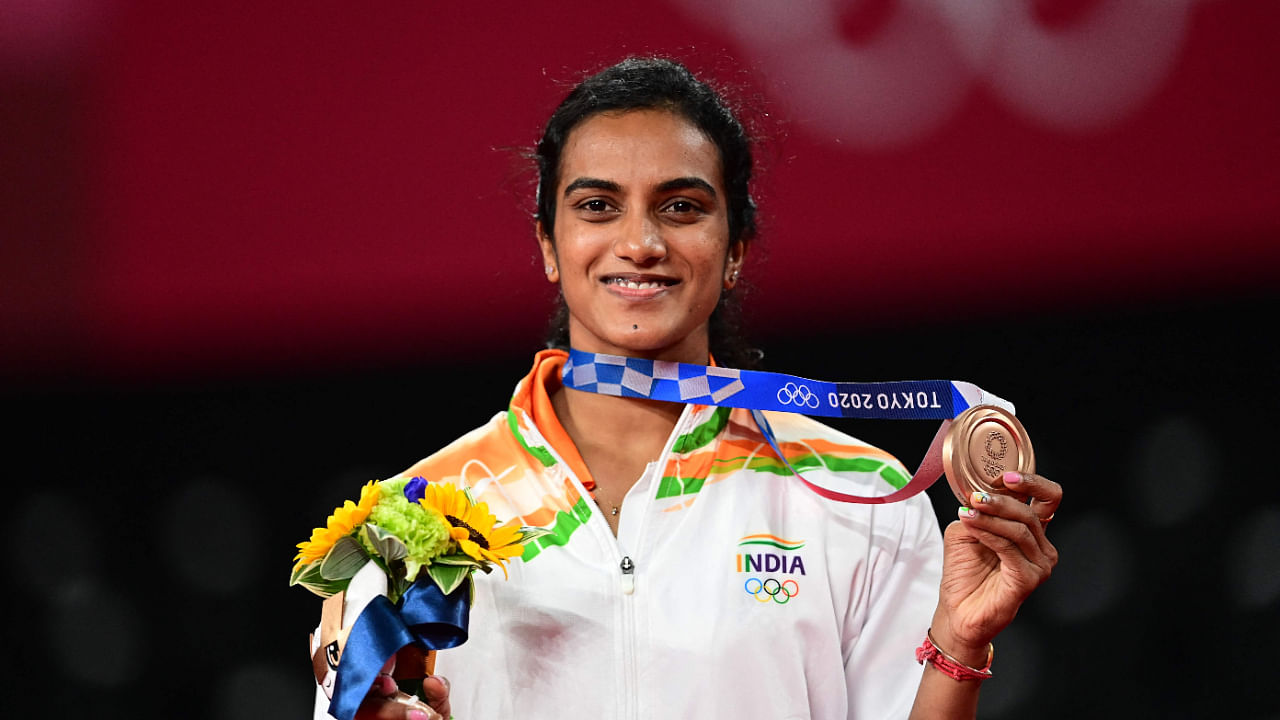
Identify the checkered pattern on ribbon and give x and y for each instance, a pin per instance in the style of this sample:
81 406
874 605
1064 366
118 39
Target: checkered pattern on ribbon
656 379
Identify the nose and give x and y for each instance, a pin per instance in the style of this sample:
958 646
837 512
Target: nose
640 240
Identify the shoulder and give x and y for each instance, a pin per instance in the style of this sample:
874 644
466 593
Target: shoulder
488 445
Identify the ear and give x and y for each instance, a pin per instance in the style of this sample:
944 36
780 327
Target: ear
733 264
548 248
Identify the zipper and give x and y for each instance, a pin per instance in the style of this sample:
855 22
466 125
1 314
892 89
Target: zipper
628 575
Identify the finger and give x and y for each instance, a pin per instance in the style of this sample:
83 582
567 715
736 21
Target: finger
1007 528
1012 509
436 690
1017 570
1045 494
384 686
398 707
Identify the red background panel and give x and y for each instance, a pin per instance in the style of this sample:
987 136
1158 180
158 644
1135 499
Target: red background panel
248 187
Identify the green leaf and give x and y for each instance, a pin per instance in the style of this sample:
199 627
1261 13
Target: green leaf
448 577
309 577
456 559
343 560
532 533
387 545
302 570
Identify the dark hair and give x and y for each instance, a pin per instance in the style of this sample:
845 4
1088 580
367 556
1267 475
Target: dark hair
642 83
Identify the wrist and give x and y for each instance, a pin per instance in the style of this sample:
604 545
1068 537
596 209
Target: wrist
969 652
950 666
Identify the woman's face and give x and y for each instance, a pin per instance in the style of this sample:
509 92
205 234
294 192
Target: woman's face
641 247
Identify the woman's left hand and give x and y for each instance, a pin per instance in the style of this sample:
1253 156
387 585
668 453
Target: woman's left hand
994 556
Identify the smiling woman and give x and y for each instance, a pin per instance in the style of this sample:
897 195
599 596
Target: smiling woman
641 246
649 594
706 124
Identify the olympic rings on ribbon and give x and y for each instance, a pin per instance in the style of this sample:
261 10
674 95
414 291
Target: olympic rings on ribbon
772 589
798 395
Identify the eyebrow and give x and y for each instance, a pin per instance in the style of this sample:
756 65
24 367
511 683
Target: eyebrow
688 183
681 183
587 183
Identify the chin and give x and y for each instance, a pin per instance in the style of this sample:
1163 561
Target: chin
651 343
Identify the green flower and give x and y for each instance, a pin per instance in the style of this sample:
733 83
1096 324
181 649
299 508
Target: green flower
424 534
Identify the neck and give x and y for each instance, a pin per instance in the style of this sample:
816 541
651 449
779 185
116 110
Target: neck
632 425
616 437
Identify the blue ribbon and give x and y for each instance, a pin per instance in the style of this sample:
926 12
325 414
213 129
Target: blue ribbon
424 616
758 390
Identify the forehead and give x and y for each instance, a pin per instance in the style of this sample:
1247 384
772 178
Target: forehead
639 147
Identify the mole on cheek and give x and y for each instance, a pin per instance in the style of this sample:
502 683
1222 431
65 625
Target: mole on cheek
635 327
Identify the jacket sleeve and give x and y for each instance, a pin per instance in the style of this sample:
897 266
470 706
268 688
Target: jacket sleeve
895 604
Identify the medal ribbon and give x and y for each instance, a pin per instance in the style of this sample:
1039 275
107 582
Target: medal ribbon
757 390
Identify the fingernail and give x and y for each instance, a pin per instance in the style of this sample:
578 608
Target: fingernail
980 498
1011 478
417 715
967 512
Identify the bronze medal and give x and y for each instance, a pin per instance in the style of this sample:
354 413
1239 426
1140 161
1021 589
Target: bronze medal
983 443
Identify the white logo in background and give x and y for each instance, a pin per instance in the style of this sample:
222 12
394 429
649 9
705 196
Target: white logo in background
908 78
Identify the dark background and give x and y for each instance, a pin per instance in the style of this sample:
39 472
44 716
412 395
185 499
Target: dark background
251 257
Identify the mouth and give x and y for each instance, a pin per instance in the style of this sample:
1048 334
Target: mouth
639 282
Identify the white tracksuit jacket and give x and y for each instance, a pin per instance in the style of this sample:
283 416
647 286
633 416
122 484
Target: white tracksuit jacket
731 590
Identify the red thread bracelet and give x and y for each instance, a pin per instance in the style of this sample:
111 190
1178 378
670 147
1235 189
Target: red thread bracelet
950 666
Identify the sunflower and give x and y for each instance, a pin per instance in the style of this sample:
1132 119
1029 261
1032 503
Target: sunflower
339 525
472 526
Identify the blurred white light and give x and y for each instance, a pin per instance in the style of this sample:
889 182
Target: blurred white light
260 690
210 536
95 634
1253 554
1175 466
1094 570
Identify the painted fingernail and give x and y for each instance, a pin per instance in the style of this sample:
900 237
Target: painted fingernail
1011 478
980 498
968 512
417 715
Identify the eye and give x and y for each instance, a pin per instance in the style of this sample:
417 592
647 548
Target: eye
595 206
683 210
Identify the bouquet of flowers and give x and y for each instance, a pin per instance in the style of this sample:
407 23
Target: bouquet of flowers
394 568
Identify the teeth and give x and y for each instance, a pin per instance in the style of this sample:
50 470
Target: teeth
633 285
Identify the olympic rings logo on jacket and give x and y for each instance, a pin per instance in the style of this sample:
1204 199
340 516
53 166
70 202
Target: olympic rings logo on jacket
771 589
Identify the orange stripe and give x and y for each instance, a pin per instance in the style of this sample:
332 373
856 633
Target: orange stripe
771 537
542 380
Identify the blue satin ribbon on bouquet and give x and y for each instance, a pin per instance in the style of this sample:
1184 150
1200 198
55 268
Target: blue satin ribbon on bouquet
424 616
757 390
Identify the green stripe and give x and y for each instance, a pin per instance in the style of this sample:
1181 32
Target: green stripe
563 527
672 486
778 545
543 455
702 435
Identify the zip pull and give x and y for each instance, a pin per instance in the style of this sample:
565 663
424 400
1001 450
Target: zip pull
628 576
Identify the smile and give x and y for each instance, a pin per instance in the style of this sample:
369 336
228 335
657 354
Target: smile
642 283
